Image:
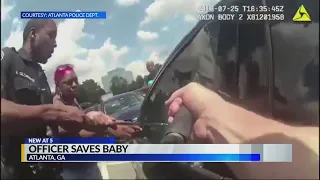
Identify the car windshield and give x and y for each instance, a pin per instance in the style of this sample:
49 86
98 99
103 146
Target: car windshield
122 102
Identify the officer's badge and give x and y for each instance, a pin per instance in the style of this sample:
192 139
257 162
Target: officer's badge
2 54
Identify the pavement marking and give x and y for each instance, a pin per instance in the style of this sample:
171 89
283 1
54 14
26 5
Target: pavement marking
104 170
115 163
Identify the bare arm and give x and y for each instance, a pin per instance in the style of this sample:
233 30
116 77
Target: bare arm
11 111
304 140
65 130
84 133
17 119
221 122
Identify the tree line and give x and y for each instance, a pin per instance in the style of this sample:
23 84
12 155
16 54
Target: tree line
90 91
120 85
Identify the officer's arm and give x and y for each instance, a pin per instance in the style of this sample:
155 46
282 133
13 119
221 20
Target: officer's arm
65 130
11 111
304 140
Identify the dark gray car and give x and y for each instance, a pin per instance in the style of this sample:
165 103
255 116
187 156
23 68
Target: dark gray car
124 106
271 68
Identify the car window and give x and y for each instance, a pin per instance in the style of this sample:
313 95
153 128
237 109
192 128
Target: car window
227 57
212 29
253 68
195 62
296 65
119 103
242 66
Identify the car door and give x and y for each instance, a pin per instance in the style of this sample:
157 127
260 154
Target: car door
243 60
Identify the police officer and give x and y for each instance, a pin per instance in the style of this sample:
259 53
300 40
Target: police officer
26 100
153 69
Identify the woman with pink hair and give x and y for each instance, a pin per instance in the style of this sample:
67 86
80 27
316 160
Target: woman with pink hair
66 82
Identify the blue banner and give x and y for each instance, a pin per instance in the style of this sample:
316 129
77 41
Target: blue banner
62 15
69 141
145 157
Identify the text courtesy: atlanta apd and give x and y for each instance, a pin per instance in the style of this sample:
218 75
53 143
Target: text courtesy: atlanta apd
59 15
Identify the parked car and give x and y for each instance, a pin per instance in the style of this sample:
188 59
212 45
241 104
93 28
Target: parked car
143 91
124 106
106 96
86 105
271 68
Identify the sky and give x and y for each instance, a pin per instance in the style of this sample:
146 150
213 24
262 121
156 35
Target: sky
134 32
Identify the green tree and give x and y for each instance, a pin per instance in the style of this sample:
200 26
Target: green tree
90 91
139 81
136 84
119 85
132 86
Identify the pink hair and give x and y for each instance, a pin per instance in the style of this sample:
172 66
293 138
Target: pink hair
61 71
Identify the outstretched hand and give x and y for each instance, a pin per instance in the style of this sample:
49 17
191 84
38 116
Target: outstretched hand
99 120
200 101
125 131
66 114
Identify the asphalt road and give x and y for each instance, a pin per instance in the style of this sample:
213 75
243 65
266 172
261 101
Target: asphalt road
118 170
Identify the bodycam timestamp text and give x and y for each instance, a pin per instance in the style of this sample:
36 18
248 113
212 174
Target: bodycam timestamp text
241 9
241 13
241 16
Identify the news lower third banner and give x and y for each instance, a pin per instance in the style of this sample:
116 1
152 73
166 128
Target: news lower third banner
63 15
104 149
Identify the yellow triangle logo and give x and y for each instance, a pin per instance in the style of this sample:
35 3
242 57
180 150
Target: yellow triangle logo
301 15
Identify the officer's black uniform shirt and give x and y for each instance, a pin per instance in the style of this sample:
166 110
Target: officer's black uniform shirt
24 82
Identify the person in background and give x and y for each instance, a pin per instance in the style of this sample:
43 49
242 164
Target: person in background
26 100
220 122
66 82
153 69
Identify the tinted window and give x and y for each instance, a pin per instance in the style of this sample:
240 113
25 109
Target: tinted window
227 57
212 29
242 64
296 56
252 67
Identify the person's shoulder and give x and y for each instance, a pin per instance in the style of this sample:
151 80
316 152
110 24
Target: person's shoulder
9 49
158 67
7 53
